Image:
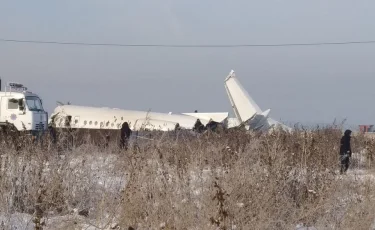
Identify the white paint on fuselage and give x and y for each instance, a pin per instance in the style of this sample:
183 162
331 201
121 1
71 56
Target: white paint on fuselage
107 118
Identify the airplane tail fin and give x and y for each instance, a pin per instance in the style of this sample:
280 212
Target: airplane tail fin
243 105
246 110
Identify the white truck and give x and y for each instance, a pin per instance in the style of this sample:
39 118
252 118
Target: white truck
21 109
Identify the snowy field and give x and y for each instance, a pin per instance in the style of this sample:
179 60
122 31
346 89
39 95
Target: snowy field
216 182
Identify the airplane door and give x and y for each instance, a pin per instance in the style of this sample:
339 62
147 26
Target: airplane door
76 122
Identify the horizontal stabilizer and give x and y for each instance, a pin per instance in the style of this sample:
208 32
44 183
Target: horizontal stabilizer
259 120
275 124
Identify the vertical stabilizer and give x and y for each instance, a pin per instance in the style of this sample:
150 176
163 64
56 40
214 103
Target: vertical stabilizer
243 105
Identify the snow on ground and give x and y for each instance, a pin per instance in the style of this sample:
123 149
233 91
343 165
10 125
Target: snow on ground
99 170
16 221
20 221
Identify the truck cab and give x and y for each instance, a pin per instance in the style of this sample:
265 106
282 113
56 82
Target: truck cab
22 109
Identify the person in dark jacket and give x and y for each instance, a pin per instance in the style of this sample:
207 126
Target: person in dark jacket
177 127
125 135
212 125
345 151
198 126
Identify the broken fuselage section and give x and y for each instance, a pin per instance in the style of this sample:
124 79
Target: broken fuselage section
83 117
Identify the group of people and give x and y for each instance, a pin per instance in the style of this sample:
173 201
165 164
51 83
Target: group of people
345 145
199 127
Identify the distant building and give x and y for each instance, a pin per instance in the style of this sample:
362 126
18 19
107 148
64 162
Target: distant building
366 128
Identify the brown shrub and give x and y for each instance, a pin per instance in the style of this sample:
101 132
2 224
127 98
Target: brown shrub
182 181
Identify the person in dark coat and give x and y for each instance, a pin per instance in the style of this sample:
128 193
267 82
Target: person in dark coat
198 126
212 125
125 135
345 151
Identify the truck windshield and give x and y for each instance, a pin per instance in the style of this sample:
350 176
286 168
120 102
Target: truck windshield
34 104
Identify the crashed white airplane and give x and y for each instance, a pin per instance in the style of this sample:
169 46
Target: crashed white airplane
246 110
247 113
82 117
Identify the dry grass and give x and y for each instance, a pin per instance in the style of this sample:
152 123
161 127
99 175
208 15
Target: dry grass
226 180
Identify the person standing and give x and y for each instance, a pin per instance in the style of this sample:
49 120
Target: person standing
125 135
198 126
345 151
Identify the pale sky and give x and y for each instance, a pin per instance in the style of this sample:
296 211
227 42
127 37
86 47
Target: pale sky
299 84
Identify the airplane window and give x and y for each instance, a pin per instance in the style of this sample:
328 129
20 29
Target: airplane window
107 124
85 123
96 123
76 121
90 123
101 124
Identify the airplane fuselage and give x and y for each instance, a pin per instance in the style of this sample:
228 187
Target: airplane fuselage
82 117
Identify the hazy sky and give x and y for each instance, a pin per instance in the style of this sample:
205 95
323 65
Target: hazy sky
307 84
